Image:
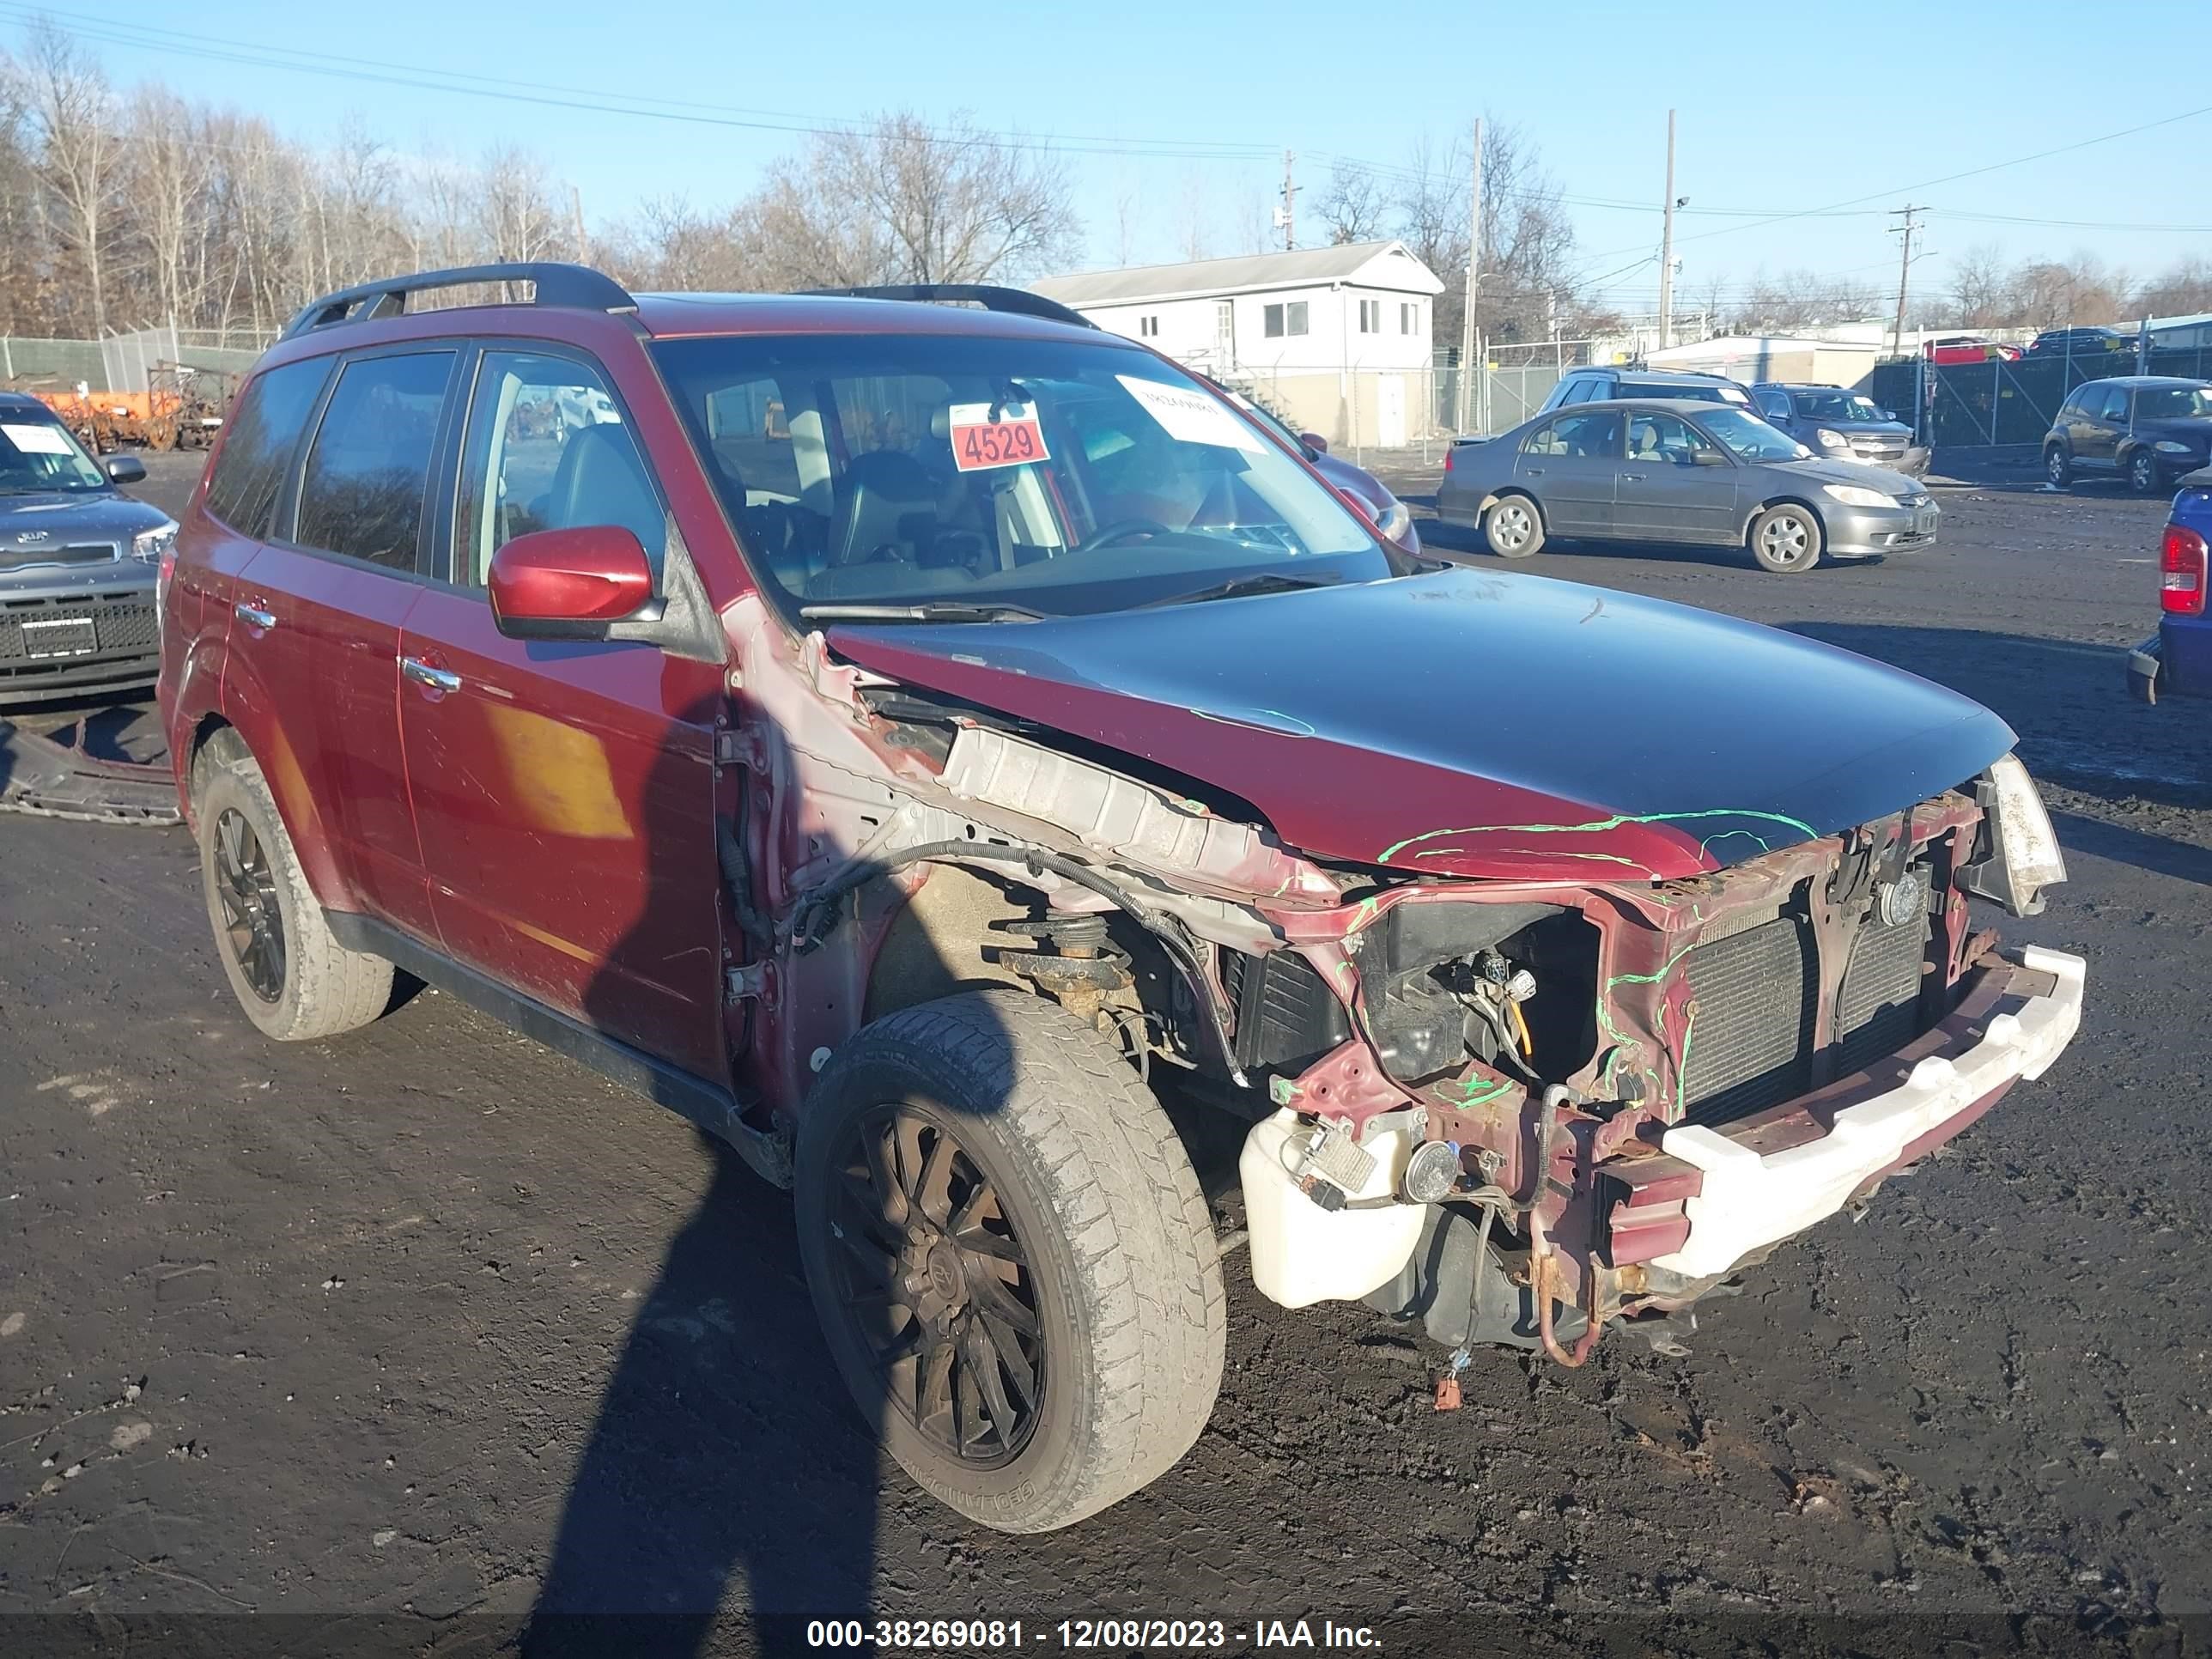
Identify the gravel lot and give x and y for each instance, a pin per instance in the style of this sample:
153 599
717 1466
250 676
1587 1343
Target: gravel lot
393 1335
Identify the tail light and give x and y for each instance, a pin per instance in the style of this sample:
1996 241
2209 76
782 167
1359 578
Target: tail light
1447 458
2181 566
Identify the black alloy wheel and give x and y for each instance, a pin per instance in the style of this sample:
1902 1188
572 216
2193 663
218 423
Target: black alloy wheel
938 1285
253 923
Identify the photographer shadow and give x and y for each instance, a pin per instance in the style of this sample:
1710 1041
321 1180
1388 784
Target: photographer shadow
728 1495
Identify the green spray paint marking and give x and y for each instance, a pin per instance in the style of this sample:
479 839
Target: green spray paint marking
1621 1039
1597 858
1473 1091
1600 825
1682 1066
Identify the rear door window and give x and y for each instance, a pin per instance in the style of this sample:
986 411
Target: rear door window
264 437
1594 436
368 469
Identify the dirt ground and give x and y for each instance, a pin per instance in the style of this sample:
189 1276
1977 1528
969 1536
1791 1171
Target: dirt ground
383 1338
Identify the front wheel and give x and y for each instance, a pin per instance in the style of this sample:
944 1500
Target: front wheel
1786 539
1011 1258
2057 468
1513 526
2144 476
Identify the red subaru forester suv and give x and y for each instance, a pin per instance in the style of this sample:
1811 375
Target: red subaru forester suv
911 739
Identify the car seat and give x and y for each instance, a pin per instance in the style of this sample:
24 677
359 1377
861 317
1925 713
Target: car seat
888 499
600 482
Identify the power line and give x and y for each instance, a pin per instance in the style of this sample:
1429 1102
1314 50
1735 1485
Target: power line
1949 177
549 95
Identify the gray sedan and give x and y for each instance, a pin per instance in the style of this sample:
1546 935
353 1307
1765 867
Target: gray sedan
1676 471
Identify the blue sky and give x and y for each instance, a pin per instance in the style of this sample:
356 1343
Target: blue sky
1783 107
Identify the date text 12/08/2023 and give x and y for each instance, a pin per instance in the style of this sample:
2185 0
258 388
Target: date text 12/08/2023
1081 1635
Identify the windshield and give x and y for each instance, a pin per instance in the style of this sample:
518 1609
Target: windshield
39 454
1837 406
1056 475
1748 438
2173 403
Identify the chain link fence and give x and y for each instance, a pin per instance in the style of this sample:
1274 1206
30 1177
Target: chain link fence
124 361
2000 403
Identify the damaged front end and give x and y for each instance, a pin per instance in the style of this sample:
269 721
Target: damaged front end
1520 1080
1603 1103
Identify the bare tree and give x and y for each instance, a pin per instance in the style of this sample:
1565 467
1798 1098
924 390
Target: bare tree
956 205
1979 281
516 217
1433 212
1527 280
80 144
2185 291
1195 235
1355 207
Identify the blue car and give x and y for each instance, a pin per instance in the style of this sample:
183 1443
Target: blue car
2176 660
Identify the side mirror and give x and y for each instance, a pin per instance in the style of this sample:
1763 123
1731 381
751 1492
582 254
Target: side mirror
123 469
1314 441
571 584
1887 414
1707 458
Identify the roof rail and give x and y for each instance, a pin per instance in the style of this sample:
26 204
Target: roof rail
1019 300
557 284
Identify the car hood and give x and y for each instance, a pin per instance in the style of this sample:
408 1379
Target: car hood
1477 724
1878 429
57 515
1865 475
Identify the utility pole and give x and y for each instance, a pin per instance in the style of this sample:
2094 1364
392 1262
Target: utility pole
1904 276
583 243
1290 205
1466 367
1666 247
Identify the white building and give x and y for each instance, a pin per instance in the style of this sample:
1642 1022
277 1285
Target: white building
1336 340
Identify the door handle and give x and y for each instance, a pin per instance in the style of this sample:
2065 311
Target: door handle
253 615
438 679
1535 471
1631 477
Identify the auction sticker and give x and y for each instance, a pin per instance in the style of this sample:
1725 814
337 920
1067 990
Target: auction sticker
38 439
1190 416
995 434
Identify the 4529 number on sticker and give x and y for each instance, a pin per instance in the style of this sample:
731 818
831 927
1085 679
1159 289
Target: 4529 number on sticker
979 441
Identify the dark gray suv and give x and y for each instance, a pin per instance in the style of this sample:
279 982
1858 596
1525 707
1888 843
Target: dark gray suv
77 563
1839 424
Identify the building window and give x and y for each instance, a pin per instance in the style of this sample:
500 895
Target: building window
1407 314
1148 327
1370 316
1275 321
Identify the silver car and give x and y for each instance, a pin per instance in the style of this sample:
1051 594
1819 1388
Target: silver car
78 563
1671 470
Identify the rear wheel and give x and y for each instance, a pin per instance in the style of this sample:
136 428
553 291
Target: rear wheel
290 975
1513 526
2144 475
1786 539
1011 1258
2057 467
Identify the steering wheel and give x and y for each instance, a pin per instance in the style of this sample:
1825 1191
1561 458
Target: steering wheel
1107 535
